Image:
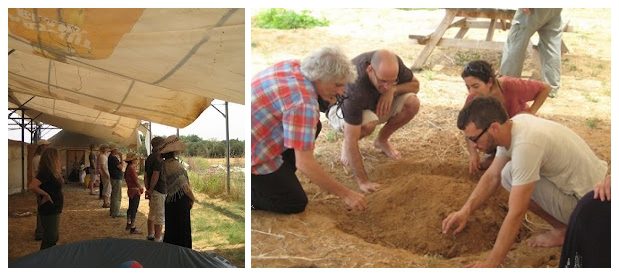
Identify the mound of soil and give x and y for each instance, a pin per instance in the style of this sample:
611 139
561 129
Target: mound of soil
416 205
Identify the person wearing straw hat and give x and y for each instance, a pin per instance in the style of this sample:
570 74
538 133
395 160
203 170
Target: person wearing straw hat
180 198
286 100
42 144
104 152
134 191
155 192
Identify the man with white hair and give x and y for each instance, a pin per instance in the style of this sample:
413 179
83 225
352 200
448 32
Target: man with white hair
385 92
286 99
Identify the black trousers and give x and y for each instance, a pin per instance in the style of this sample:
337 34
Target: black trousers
587 240
178 222
50 225
280 191
134 203
38 232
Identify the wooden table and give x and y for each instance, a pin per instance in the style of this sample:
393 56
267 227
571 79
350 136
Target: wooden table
491 19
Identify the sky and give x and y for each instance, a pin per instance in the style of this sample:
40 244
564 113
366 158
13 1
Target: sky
211 124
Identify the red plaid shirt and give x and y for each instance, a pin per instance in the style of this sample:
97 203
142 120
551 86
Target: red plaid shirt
284 114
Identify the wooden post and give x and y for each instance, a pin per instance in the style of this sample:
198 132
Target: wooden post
450 14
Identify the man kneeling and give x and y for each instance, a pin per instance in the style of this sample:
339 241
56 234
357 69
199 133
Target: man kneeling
546 167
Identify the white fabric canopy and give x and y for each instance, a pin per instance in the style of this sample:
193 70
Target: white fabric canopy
107 67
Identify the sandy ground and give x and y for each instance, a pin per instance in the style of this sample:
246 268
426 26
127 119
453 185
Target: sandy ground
83 218
402 226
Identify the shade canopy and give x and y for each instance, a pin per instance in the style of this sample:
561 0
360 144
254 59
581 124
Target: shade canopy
104 70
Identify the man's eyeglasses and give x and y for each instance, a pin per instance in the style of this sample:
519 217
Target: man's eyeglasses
384 82
476 138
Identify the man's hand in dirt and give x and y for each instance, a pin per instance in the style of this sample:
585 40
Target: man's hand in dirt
355 201
368 186
457 219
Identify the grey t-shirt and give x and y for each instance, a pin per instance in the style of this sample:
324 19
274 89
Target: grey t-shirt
544 148
362 95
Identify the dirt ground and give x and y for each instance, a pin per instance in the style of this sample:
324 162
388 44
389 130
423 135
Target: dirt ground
83 218
401 228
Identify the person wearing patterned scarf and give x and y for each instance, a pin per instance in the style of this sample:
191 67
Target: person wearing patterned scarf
180 198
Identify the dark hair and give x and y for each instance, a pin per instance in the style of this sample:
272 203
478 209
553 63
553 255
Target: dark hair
155 142
479 69
483 111
47 164
167 155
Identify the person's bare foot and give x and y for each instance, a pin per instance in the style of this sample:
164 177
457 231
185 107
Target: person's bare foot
550 238
343 157
387 149
369 186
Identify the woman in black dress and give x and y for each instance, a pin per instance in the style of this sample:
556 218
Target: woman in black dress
180 198
48 186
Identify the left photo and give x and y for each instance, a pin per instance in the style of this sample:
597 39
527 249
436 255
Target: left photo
125 137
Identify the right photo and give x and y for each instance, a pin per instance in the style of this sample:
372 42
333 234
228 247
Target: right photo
457 137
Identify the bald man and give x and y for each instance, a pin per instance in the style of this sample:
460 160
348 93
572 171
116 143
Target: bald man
385 92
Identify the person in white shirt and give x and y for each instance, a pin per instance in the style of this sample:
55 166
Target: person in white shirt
544 165
104 152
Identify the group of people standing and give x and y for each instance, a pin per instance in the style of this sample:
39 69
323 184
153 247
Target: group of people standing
546 167
166 186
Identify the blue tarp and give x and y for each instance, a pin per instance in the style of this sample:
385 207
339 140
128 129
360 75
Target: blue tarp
113 252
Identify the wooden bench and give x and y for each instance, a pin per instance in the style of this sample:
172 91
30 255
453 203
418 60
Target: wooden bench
491 19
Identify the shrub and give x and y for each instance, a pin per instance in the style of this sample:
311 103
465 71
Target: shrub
287 19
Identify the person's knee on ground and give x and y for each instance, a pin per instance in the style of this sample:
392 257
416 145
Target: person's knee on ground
293 207
292 203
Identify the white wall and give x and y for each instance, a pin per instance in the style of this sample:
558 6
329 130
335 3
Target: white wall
14 171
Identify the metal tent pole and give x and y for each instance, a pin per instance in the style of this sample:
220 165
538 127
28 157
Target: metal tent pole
227 145
23 167
227 151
